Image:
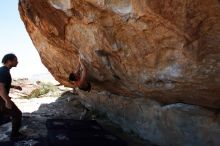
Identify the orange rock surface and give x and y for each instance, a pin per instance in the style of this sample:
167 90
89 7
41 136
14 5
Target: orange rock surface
166 50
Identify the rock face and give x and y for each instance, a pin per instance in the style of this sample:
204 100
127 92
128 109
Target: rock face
166 51
170 125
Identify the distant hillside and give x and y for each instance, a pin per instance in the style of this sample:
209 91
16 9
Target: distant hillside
46 77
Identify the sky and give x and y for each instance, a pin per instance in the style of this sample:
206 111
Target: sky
15 39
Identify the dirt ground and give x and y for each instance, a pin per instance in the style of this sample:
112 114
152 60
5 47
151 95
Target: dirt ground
37 110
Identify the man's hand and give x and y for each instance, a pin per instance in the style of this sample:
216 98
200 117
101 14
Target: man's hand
8 104
5 97
18 88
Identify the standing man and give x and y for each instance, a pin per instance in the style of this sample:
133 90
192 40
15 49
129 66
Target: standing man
8 107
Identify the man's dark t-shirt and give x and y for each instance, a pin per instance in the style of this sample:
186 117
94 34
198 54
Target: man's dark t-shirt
5 78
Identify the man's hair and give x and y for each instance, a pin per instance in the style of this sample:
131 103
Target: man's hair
72 77
8 57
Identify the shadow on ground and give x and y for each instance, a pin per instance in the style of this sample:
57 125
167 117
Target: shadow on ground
68 106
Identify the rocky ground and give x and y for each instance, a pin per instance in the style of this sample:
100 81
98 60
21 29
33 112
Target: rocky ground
59 103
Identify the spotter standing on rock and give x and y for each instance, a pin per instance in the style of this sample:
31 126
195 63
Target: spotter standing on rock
7 106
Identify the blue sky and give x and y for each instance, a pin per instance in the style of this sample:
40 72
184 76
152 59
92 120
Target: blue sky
15 39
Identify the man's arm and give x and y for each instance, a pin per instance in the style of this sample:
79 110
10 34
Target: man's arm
77 71
16 87
12 86
83 75
5 96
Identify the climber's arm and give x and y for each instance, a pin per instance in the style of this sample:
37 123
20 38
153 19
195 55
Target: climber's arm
77 72
84 74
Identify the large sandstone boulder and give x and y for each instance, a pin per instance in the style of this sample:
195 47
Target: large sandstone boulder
167 51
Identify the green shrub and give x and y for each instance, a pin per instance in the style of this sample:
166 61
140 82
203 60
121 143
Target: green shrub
44 88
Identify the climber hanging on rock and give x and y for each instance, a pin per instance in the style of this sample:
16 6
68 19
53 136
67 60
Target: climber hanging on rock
80 77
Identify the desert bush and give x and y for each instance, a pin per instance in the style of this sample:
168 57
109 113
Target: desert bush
43 89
